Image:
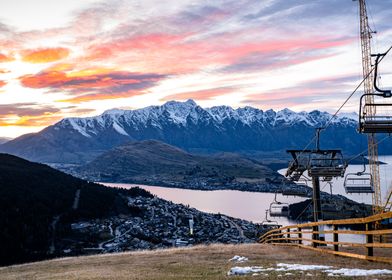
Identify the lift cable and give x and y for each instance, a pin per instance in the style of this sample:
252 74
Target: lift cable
355 90
344 103
364 151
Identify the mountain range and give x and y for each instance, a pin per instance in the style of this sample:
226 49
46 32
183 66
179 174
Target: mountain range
190 127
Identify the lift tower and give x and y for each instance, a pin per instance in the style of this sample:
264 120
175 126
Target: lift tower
366 35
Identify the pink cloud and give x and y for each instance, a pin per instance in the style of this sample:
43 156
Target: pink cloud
199 94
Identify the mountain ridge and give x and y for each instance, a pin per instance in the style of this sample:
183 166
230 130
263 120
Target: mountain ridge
187 126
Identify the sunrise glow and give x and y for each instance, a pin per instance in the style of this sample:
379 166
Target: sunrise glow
73 59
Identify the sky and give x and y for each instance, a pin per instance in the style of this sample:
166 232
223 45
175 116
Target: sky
79 58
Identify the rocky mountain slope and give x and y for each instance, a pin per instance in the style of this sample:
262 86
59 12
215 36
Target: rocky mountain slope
154 162
190 127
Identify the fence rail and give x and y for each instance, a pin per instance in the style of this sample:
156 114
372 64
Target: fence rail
375 231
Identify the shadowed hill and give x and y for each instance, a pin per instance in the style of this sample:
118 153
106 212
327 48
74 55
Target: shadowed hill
32 195
148 160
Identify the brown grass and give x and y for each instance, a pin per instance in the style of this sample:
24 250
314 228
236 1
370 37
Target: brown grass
200 262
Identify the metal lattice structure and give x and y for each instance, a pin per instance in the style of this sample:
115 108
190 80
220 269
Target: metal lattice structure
366 35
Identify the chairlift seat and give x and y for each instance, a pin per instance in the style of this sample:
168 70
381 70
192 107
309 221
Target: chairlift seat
359 183
379 125
278 209
327 167
381 119
319 163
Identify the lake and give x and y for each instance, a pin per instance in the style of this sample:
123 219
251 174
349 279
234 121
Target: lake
251 206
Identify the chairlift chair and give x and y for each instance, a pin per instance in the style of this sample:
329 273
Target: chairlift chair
380 121
359 182
327 164
267 222
278 209
375 116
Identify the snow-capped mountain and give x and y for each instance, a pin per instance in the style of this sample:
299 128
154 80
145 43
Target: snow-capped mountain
184 114
186 125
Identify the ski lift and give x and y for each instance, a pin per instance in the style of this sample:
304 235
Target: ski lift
375 116
267 225
267 222
327 164
360 182
278 209
319 163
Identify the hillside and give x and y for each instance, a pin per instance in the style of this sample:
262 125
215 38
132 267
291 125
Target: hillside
189 127
45 213
154 162
4 139
200 262
32 196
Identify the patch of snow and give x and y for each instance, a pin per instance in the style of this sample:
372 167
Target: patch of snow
352 116
244 270
303 267
283 267
77 127
239 259
358 272
119 129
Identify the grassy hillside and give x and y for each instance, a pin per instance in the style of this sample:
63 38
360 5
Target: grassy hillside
201 262
32 195
149 160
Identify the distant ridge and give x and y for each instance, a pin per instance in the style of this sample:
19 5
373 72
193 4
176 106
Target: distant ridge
4 139
154 162
190 127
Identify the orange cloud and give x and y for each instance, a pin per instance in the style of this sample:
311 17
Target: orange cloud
198 95
92 84
2 83
44 55
28 114
5 58
45 120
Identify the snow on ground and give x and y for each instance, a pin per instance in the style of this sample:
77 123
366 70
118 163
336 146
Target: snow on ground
245 270
239 259
302 267
284 267
357 272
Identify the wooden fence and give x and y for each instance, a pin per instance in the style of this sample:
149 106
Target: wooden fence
374 231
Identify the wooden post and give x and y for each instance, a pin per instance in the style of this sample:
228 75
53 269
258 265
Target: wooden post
335 238
314 236
369 239
316 208
288 235
300 235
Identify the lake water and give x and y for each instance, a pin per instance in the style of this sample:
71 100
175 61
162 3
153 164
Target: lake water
251 206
